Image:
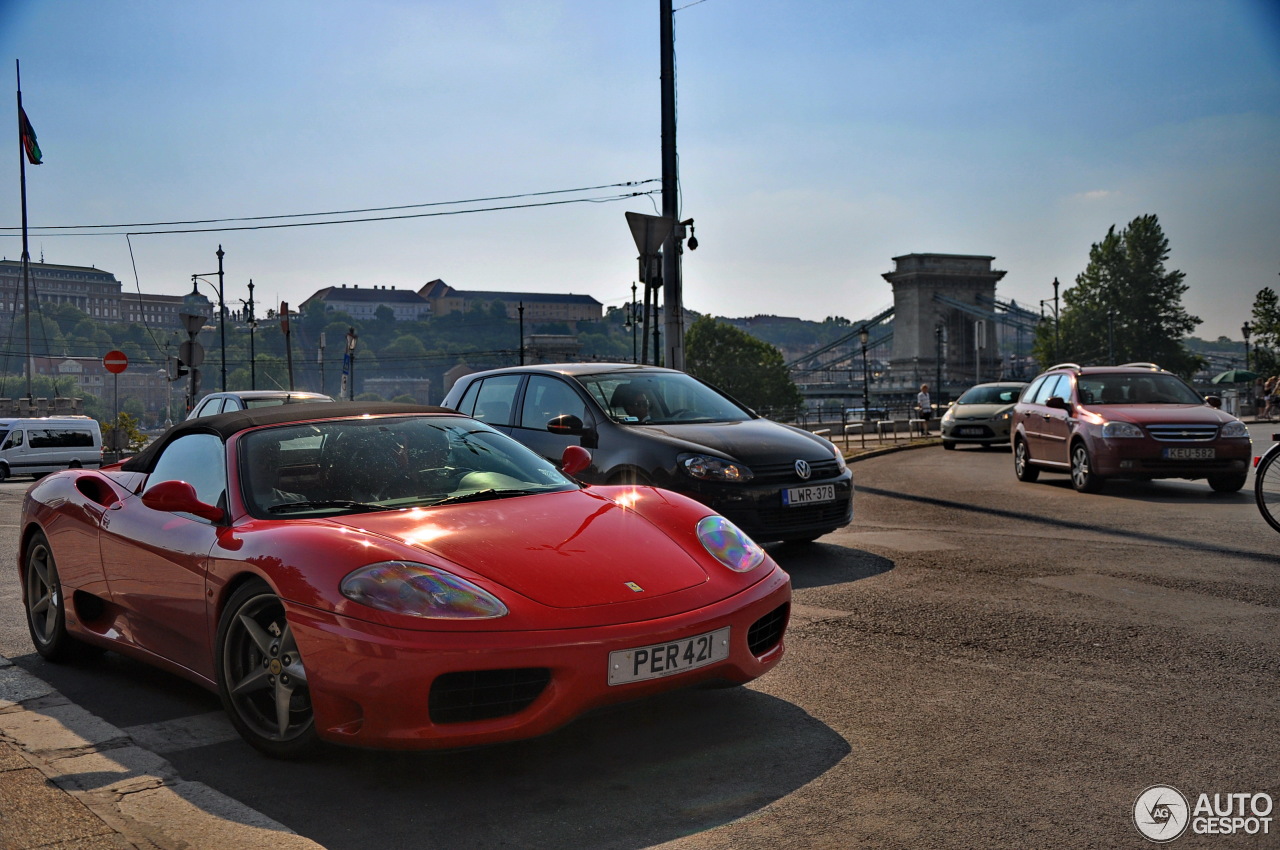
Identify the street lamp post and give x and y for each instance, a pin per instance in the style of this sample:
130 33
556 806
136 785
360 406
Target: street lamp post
1246 330
864 335
222 311
252 322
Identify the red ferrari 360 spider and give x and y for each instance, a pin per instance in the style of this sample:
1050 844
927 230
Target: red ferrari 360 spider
391 576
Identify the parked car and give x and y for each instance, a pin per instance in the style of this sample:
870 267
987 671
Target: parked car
215 403
38 446
391 576
773 481
981 415
1132 421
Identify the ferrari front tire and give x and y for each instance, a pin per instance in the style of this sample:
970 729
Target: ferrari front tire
261 678
46 608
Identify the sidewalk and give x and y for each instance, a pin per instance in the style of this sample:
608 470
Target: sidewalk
69 780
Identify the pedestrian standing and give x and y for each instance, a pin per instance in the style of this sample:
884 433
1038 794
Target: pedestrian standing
925 406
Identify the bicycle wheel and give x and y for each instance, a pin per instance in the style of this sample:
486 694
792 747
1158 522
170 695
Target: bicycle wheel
1266 487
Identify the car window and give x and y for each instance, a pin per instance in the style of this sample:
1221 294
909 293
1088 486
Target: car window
1138 388
199 460
546 398
670 397
15 440
467 404
386 463
496 399
1029 393
989 395
1054 385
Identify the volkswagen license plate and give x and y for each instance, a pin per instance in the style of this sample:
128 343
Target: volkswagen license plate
810 495
666 659
1189 454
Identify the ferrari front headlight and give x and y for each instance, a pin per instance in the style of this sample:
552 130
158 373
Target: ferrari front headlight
419 590
728 545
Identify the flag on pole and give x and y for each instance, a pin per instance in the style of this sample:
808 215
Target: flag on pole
29 139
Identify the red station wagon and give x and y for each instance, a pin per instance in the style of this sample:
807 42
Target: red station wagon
1135 421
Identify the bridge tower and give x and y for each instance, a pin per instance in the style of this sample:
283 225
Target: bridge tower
916 280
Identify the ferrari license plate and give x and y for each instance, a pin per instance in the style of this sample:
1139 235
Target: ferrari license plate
796 496
667 659
1189 454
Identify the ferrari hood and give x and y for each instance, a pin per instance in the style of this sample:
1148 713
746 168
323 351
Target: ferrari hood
565 550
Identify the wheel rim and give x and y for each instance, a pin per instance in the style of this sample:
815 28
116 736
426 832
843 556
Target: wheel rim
44 594
263 671
1080 466
1020 458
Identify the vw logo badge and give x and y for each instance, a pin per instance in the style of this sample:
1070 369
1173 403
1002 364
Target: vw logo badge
803 470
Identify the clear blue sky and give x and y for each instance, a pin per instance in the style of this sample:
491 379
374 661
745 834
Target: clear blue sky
817 141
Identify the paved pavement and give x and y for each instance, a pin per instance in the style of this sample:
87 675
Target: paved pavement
71 781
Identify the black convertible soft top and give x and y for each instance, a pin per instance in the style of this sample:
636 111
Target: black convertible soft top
226 424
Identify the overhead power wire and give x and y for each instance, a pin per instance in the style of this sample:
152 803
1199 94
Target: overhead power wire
154 224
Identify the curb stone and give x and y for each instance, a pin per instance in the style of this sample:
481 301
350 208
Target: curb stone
70 779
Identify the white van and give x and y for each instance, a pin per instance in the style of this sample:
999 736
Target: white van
40 446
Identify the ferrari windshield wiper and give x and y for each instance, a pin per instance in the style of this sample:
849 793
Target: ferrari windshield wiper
482 495
360 507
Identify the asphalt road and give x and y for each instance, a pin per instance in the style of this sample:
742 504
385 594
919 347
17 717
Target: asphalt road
974 663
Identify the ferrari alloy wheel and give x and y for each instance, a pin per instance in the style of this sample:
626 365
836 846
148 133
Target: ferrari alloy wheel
1083 478
261 679
46 614
1022 466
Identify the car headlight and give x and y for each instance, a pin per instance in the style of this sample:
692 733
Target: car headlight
1005 416
949 416
841 466
418 590
728 545
709 468
1235 429
1120 429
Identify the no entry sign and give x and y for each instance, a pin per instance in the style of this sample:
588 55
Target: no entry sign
115 362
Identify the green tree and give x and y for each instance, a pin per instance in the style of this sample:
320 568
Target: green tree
1265 354
1125 306
749 369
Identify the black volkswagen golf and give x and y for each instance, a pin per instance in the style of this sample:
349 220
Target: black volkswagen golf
649 425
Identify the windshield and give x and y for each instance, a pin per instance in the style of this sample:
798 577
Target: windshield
358 465
990 395
660 398
1136 388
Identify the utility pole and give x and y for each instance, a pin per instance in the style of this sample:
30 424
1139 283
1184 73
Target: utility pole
672 289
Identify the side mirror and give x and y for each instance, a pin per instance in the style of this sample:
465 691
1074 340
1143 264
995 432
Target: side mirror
1214 401
566 424
574 460
180 497
1057 403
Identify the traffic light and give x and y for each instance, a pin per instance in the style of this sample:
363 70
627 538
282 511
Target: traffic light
178 370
